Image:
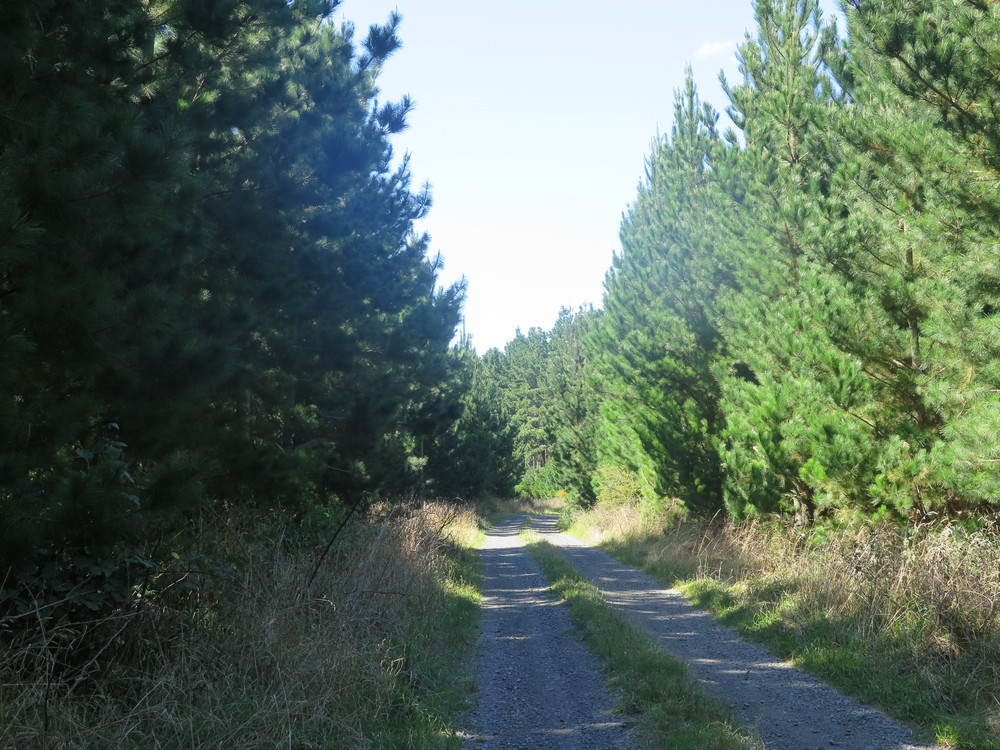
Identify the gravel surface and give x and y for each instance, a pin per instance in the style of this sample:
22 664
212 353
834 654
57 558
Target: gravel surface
787 708
538 686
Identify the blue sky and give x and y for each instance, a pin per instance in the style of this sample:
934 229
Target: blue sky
532 123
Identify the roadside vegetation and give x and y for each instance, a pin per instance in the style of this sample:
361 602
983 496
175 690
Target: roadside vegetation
370 654
495 511
668 705
906 618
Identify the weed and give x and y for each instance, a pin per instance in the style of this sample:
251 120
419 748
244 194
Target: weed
366 658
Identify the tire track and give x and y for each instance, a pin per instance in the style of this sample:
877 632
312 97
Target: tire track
538 686
785 707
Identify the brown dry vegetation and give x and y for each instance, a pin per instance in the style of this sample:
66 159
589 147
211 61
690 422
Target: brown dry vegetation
367 657
905 617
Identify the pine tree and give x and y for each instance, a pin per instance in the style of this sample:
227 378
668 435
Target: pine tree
919 181
211 288
95 191
521 383
791 396
660 405
475 458
571 406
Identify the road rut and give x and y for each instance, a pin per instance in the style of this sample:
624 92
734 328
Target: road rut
786 708
538 686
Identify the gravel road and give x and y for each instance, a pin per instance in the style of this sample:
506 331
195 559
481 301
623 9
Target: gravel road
788 709
538 686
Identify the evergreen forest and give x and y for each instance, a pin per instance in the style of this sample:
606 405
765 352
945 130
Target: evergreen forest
804 318
212 293
215 306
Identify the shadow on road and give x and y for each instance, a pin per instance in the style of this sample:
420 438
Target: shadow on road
788 708
538 687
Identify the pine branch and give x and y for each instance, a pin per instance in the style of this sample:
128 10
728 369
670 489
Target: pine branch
915 73
255 189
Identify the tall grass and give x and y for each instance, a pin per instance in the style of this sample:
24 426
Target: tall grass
368 656
907 618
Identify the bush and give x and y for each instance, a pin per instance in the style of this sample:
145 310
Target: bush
540 482
616 485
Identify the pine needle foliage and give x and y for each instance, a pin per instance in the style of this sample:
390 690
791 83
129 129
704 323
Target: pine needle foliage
803 316
211 291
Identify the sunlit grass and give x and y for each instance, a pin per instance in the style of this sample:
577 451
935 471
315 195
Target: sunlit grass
373 655
495 510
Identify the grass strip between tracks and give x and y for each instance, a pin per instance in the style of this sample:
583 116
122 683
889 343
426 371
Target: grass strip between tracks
668 706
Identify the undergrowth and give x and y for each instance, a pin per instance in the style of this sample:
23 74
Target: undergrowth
905 618
670 708
369 655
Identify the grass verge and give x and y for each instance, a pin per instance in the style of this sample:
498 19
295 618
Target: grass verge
371 656
668 705
906 619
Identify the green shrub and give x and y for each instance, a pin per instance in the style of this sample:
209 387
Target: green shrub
616 485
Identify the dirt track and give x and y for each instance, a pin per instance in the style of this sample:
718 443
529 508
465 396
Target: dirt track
538 687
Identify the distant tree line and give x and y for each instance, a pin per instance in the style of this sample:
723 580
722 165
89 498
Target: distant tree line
211 292
805 314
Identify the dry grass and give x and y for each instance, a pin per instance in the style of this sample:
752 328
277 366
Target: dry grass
360 660
905 617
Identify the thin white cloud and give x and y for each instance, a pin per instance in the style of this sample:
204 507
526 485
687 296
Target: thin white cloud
711 49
